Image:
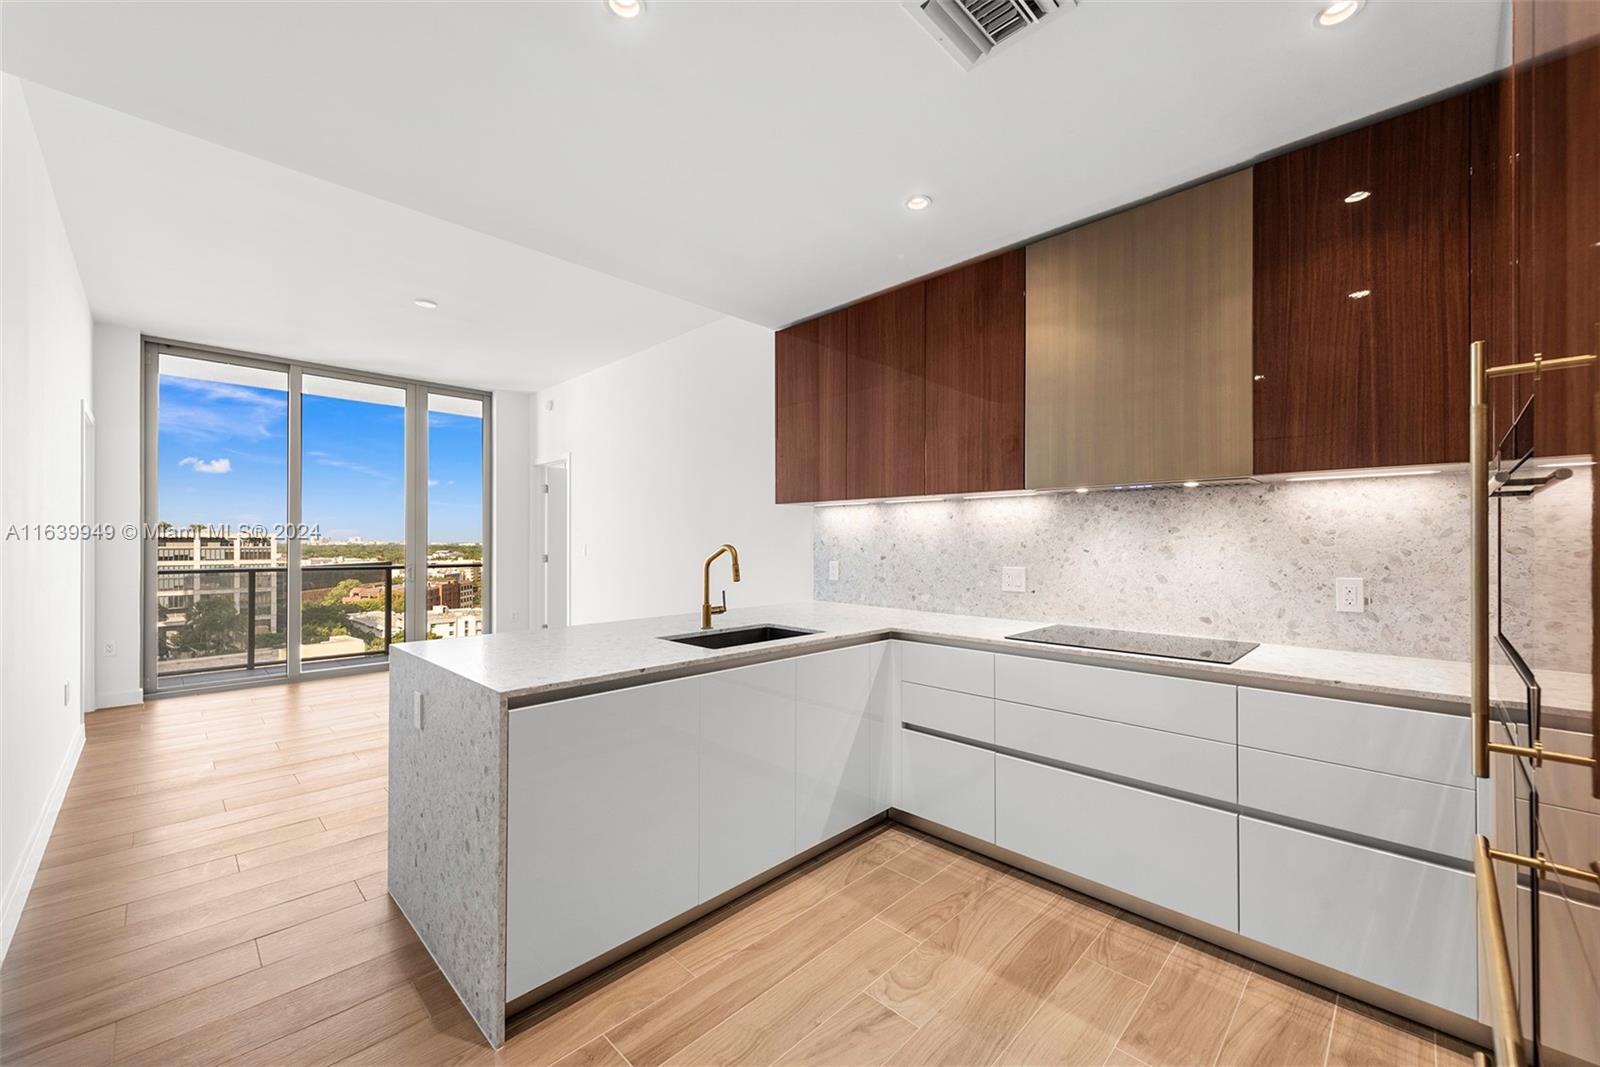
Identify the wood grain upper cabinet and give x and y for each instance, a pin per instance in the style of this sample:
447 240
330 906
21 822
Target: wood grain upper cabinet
885 423
975 367
1361 317
811 382
1138 343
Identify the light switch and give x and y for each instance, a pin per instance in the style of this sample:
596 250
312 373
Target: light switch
1013 579
416 709
1349 594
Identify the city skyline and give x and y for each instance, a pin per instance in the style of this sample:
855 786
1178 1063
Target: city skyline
222 460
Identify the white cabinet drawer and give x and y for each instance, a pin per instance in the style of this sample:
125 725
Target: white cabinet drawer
1401 923
1186 764
1170 852
1417 744
948 783
1178 705
1407 811
964 670
949 712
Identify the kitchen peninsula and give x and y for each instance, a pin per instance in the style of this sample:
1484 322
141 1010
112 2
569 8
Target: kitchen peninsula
559 799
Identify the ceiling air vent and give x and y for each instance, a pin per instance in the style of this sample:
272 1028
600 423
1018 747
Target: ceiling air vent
970 29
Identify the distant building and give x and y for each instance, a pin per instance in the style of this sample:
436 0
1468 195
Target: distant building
449 622
195 550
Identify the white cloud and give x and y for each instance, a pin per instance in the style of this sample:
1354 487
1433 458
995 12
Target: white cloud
221 465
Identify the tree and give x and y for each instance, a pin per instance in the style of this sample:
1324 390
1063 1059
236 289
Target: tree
213 625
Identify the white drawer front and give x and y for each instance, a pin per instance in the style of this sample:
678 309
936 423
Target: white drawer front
947 782
1170 852
1187 764
1417 744
1407 811
964 670
949 712
1397 922
1178 705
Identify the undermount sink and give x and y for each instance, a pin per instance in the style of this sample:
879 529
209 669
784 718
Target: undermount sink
742 635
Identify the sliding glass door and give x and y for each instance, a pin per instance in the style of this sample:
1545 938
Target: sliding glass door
281 500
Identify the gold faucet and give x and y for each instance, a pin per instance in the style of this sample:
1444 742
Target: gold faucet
707 609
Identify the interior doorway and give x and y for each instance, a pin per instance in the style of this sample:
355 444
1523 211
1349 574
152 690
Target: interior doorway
554 489
86 668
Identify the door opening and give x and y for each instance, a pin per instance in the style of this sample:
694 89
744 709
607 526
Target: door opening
554 488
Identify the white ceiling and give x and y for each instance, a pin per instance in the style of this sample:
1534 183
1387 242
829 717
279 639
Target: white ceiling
750 157
187 240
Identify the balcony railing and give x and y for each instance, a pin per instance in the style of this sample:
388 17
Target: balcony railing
235 618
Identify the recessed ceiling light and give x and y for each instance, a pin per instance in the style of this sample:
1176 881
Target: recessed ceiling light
1360 294
625 9
919 202
1338 11
1357 196
426 304
1191 485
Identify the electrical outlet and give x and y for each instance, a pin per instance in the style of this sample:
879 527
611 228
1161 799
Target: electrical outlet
1349 594
416 709
833 570
111 648
1013 579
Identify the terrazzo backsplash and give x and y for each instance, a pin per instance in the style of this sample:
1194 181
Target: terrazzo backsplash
1253 562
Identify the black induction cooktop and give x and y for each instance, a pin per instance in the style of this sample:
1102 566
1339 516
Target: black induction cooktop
1205 649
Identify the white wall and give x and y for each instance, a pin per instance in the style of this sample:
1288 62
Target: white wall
44 381
672 454
118 444
511 565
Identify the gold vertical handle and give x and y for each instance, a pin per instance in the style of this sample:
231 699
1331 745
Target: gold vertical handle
1505 1017
1478 430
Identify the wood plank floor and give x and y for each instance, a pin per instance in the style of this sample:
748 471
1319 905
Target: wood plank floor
214 893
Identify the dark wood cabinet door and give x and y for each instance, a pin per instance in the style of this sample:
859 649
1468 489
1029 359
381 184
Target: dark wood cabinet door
810 386
1360 303
1557 101
885 425
975 370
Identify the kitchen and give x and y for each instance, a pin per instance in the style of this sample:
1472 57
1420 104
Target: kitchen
1128 601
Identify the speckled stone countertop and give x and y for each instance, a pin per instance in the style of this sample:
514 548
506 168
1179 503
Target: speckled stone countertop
534 667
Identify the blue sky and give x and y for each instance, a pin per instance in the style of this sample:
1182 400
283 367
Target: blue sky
223 460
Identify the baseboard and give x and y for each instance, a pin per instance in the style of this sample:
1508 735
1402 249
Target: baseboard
105 701
17 892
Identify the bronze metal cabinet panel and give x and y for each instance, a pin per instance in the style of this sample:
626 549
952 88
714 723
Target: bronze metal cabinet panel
810 387
975 368
1361 316
1139 343
884 440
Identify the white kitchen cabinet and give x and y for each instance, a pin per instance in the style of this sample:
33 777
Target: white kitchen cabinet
1433 746
1387 807
964 670
1399 922
1171 852
833 744
948 712
1175 761
883 723
948 783
747 773
1569 962
602 825
1177 705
